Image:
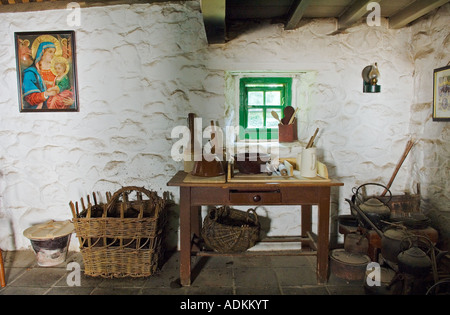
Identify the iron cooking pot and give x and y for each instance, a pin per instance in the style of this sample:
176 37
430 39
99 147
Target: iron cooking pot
414 261
391 243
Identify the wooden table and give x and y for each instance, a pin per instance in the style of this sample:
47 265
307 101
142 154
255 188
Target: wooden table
305 194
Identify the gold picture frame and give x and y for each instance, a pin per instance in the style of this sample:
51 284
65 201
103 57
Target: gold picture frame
46 71
441 94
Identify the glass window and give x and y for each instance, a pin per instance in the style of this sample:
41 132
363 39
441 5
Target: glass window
258 98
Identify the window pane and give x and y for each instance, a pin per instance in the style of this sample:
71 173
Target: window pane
255 118
271 122
256 98
273 98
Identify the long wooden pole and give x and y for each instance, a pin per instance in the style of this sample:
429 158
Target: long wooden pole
408 148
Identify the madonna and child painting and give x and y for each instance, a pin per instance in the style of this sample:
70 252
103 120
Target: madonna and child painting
46 71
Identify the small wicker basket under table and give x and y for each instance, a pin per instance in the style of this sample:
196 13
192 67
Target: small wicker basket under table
122 237
228 230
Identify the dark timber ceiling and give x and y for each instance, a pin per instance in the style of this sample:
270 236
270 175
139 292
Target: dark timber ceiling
221 15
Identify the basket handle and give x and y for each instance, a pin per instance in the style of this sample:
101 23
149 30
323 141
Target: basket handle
254 213
118 193
214 213
219 211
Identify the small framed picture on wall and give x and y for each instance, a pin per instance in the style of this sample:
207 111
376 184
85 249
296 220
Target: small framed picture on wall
441 94
46 71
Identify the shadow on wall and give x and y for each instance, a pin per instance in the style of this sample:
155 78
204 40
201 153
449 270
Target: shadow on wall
440 220
6 223
171 229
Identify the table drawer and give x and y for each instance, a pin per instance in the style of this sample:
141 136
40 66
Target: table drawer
255 197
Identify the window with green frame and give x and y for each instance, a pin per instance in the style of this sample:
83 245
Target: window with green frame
258 98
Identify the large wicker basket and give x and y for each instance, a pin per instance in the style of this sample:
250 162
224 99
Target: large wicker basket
228 230
122 237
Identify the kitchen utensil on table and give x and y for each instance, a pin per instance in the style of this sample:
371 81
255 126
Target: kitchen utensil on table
211 167
275 115
291 121
251 163
311 140
189 151
206 168
288 112
191 118
308 166
287 133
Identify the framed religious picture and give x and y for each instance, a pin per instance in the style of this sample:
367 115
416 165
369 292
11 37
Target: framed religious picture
46 71
441 94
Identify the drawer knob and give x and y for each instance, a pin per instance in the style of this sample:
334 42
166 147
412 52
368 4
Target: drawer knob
256 198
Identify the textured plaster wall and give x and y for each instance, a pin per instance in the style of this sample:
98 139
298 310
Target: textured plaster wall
139 75
430 161
142 68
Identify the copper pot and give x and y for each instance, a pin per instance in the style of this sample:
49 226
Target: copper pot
356 243
206 168
348 266
212 165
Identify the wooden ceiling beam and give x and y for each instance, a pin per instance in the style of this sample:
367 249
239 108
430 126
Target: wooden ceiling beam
213 12
296 13
354 13
413 12
42 5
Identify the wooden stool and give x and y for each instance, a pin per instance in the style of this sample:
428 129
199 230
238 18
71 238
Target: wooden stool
2 271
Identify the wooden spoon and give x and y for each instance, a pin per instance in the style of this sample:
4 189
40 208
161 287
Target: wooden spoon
288 112
275 115
311 141
293 116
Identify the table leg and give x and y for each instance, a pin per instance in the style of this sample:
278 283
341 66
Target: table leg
196 225
2 271
306 219
323 234
185 236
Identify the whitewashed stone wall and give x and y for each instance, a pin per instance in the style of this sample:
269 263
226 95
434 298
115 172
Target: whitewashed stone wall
430 161
142 68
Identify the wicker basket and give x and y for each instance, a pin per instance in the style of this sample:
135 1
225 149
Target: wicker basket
122 237
228 230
